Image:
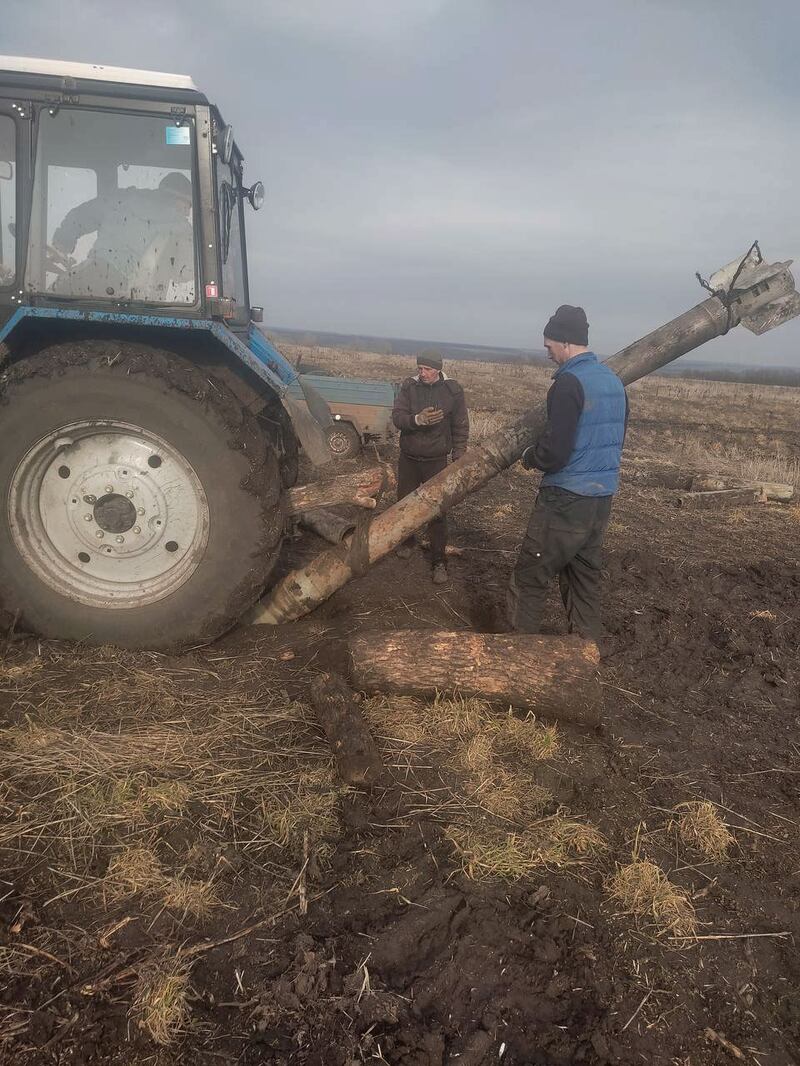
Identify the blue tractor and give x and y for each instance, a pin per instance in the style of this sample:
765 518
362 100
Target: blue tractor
146 430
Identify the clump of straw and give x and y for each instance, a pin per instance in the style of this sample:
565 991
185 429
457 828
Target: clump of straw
644 890
701 827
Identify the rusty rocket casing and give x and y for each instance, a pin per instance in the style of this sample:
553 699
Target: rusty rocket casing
757 294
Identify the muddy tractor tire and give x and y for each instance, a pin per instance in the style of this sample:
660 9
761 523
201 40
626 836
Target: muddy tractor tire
142 502
344 441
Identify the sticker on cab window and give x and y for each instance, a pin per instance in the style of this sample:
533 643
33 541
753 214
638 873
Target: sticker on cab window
179 134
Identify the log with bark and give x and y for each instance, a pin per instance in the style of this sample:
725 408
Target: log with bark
769 490
340 716
360 488
701 501
555 677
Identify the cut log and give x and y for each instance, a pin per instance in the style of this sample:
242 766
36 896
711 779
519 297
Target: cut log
770 490
359 488
340 716
554 676
331 525
700 501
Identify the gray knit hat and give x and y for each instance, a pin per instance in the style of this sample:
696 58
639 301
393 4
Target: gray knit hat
430 357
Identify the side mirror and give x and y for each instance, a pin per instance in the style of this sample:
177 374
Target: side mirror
255 194
256 314
227 144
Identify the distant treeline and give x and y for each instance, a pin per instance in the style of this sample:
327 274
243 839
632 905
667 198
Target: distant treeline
749 375
404 346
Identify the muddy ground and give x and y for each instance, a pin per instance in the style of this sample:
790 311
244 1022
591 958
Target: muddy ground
356 931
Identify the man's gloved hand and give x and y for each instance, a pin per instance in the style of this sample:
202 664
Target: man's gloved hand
429 416
528 458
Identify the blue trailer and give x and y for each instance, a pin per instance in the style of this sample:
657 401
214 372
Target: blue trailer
361 410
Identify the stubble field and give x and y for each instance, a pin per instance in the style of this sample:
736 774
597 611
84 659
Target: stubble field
183 878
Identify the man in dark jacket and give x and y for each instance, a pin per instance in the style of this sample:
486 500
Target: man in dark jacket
431 413
579 452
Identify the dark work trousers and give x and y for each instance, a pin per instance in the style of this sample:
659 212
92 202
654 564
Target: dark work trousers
411 473
564 538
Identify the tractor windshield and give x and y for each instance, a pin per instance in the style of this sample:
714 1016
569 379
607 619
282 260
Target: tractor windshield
112 207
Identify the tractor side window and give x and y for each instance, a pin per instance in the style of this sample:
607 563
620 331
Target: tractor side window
229 205
8 201
112 208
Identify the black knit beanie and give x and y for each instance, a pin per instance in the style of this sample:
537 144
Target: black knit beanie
430 358
568 325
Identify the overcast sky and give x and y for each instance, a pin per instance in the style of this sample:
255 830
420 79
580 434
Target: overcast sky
454 169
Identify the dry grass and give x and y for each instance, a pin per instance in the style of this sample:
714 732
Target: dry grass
398 718
483 424
160 999
238 770
18 672
489 853
738 517
462 718
526 740
170 796
700 826
416 722
137 871
458 717
196 899
745 464
313 808
514 797
497 752
475 755
644 890
133 871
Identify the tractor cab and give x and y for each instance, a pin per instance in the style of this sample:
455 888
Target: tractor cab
119 190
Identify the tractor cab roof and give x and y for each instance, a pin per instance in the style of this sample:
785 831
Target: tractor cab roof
54 75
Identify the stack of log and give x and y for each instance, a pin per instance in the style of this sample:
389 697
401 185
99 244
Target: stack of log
712 491
327 506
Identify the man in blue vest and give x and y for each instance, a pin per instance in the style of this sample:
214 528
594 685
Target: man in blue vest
579 452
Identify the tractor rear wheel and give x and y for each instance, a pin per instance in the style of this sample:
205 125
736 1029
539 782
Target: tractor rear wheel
142 502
